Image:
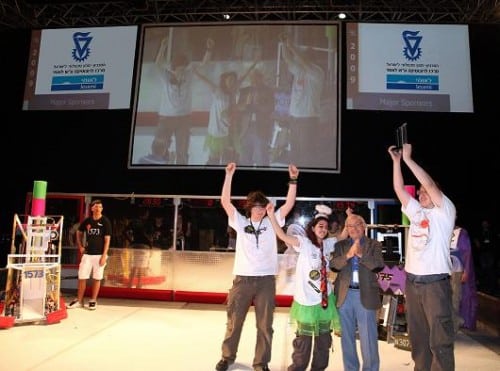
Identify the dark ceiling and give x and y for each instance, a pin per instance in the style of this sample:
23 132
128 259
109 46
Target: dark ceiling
27 14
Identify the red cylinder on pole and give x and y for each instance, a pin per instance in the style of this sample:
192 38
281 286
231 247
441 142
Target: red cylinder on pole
39 195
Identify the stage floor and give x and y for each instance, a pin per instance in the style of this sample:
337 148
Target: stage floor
128 335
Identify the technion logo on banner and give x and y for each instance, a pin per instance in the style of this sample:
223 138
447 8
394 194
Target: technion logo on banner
413 75
81 69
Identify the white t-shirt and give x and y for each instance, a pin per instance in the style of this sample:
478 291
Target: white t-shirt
307 86
252 257
218 120
428 245
307 272
176 99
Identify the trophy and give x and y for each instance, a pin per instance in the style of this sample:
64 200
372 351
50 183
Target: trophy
401 136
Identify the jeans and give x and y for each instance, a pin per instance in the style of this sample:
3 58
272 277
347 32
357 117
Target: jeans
354 315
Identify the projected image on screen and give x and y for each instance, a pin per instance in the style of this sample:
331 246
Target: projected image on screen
408 67
262 96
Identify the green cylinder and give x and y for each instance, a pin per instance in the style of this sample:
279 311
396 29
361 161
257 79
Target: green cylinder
40 189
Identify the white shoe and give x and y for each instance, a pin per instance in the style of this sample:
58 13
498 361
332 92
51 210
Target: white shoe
74 304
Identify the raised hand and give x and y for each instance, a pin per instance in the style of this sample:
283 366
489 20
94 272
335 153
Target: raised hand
230 168
293 171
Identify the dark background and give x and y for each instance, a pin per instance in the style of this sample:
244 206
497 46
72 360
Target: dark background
86 151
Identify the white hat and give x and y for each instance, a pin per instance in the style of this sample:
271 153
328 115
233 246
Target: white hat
323 211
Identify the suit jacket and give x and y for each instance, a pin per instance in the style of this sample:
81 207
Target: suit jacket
258 101
370 263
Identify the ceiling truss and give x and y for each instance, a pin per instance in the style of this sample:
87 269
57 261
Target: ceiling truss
19 14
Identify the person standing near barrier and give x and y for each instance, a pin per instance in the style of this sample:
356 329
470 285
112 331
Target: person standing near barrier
357 260
141 231
255 269
461 247
97 231
428 292
313 308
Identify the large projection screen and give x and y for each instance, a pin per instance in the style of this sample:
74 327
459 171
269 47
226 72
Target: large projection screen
408 67
260 95
86 68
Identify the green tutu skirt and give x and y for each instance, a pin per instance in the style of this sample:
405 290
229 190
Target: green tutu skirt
313 320
216 145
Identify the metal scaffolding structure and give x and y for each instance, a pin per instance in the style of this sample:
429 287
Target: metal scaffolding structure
28 14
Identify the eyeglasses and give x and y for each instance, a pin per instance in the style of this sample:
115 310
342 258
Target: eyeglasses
357 225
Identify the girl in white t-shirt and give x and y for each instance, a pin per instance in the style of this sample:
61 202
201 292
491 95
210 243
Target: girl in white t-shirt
313 308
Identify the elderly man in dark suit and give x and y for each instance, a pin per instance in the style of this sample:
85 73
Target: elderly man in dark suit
357 261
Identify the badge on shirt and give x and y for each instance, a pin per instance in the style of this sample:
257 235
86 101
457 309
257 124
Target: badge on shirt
314 274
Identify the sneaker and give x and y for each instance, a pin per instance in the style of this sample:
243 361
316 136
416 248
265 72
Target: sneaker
92 305
74 304
223 365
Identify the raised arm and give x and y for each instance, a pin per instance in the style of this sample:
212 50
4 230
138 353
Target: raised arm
292 55
204 78
226 190
422 176
161 60
206 58
208 52
397 176
290 240
293 173
285 49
